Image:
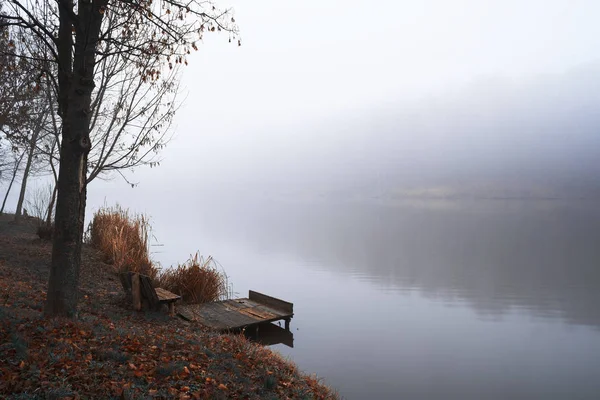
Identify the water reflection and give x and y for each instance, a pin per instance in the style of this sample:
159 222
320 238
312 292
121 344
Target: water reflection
494 255
385 293
270 334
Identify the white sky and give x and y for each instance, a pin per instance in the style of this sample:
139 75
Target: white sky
318 56
305 65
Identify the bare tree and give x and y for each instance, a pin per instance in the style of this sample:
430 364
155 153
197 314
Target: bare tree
18 84
78 39
31 143
38 200
132 110
5 160
15 166
23 106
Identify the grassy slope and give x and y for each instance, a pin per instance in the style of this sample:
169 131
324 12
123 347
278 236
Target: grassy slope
113 352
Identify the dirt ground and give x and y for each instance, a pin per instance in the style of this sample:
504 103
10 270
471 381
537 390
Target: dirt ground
111 351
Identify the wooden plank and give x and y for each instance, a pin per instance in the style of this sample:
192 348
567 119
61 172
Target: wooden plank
254 312
217 316
271 302
135 292
166 296
236 303
238 313
186 314
148 291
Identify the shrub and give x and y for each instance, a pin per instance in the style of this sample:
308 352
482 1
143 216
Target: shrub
122 239
44 231
198 280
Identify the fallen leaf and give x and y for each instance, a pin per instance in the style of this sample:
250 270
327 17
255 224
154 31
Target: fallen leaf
222 387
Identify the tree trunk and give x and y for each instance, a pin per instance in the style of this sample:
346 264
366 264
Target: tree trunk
63 284
49 218
30 154
8 191
51 205
12 180
68 229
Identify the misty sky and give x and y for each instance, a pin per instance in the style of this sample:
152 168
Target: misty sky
331 90
322 83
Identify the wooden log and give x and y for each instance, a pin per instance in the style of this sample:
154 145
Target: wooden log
135 292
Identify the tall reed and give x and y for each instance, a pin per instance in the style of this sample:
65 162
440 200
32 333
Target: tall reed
123 239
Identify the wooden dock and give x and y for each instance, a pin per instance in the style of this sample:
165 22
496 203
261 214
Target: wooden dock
237 314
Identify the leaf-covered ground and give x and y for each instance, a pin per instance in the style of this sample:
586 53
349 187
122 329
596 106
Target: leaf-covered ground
113 352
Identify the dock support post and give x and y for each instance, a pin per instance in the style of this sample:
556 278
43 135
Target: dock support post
287 324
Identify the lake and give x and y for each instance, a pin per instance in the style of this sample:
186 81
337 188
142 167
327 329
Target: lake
480 299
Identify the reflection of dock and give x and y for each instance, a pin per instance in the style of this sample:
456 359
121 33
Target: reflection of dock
269 334
236 314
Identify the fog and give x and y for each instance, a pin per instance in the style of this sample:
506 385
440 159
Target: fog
426 172
525 137
541 131
472 97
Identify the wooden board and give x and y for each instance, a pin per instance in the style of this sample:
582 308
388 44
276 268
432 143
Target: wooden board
272 302
234 314
148 291
136 293
165 295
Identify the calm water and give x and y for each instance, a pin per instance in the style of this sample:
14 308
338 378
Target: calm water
421 300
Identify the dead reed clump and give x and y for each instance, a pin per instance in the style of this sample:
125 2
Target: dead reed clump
122 239
198 280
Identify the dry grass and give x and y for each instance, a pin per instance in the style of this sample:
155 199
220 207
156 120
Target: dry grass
198 280
122 238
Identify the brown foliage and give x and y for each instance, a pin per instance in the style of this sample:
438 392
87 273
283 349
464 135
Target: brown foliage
122 239
197 280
